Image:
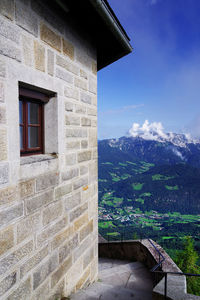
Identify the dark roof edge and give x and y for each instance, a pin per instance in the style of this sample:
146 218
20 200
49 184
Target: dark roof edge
113 23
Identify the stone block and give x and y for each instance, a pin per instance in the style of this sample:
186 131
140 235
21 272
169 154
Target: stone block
81 84
8 49
46 181
58 291
8 195
6 239
9 31
94 100
68 49
69 106
77 212
83 279
68 66
49 15
50 37
27 46
61 271
86 230
73 275
84 156
2 72
94 68
71 93
83 58
92 111
83 74
76 132
86 98
94 269
67 249
93 171
10 214
83 170
33 261
84 144
82 182
73 145
25 18
7 8
72 120
63 190
2 115
52 212
72 201
28 226
50 62
62 237
82 248
80 109
42 291
88 257
1 88
92 137
49 232
70 173
64 75
44 270
27 188
80 222
85 121
12 259
95 153
70 159
22 292
39 201
3 144
94 123
7 283
39 54
93 85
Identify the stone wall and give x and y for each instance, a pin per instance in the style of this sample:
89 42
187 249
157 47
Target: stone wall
48 202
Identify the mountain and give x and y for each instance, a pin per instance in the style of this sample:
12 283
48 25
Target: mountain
150 172
176 148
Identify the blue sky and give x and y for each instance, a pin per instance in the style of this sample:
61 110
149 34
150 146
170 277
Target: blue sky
160 80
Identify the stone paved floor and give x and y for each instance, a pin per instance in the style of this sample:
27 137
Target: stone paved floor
119 280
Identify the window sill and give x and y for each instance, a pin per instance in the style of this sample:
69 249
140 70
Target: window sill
24 160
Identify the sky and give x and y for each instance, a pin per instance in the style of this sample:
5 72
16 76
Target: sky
159 81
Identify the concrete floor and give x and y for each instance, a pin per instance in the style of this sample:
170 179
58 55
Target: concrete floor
119 280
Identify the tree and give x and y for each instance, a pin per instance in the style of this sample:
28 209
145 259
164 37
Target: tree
187 262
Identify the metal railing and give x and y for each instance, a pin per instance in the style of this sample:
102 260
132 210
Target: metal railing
165 273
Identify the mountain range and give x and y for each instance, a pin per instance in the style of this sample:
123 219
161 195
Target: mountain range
154 171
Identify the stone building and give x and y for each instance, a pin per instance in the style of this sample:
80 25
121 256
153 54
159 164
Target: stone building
48 142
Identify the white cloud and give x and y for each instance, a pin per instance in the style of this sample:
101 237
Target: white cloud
148 131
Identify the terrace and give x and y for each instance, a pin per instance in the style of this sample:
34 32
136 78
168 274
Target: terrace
127 271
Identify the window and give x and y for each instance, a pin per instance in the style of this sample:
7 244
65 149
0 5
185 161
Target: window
31 121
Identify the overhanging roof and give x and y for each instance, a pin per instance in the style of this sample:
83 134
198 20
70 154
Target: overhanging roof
96 20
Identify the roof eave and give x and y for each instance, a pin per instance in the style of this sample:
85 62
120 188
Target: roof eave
110 20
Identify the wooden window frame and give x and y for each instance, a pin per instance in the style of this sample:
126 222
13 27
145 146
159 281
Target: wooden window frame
30 96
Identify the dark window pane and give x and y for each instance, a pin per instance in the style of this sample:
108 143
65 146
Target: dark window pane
33 137
20 112
21 137
33 113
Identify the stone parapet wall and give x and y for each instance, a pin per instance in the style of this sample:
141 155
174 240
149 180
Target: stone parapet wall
48 202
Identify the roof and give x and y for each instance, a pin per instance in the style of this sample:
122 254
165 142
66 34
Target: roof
96 20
